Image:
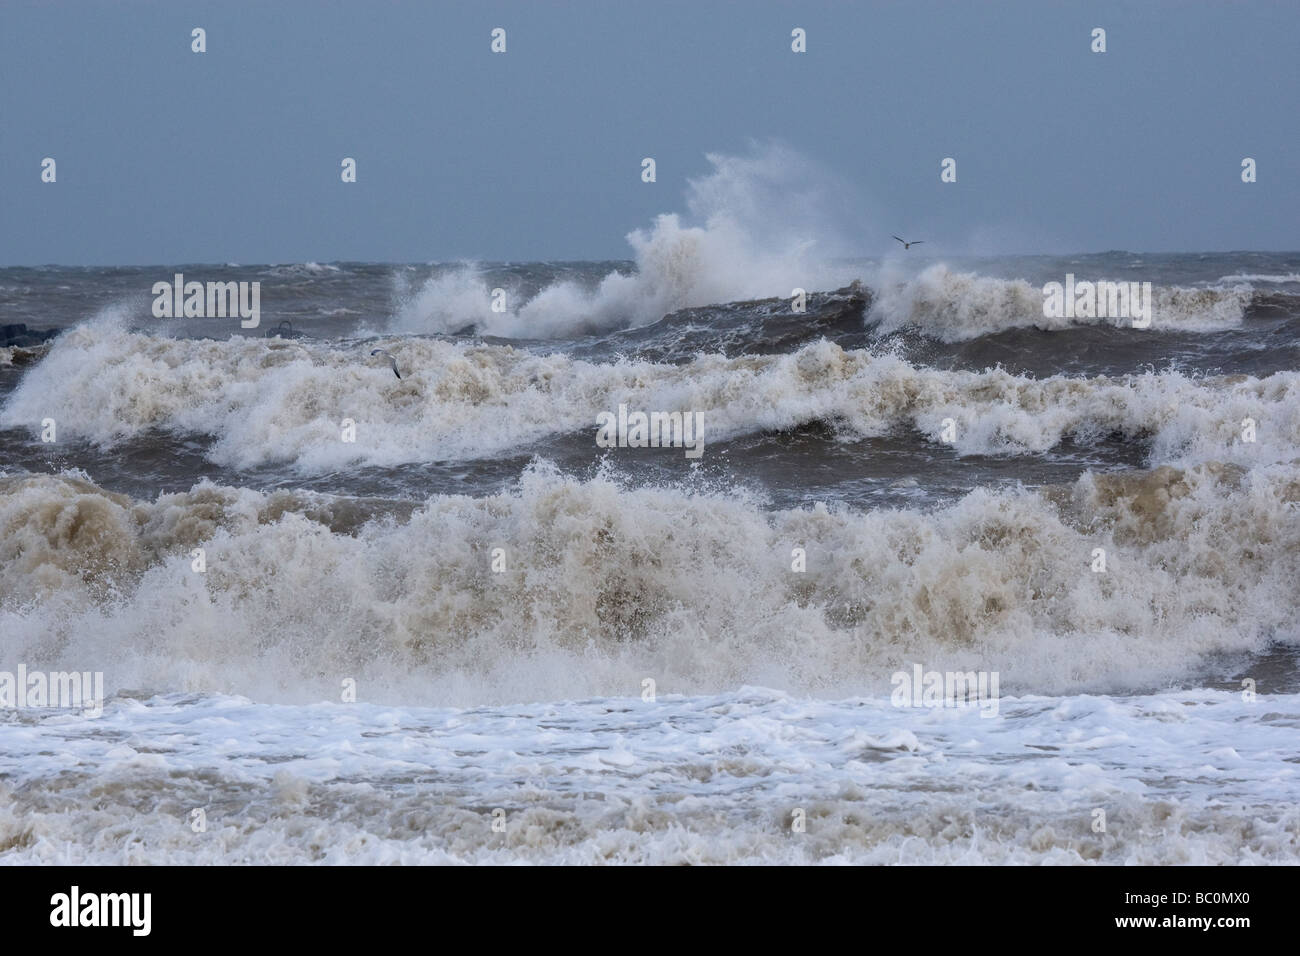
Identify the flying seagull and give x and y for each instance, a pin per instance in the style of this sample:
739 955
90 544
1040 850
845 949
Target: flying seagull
392 362
909 245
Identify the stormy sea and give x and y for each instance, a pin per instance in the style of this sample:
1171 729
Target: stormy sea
407 607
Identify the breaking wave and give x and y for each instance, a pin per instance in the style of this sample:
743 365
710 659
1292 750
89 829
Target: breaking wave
284 403
604 585
763 225
959 306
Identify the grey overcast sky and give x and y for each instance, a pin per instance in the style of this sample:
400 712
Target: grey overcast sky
168 156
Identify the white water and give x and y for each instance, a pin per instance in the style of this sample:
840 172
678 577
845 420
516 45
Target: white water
286 404
773 683
1194 777
605 585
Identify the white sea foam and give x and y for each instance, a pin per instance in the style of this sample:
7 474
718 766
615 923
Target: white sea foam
284 403
958 306
757 226
1256 277
605 585
1187 778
